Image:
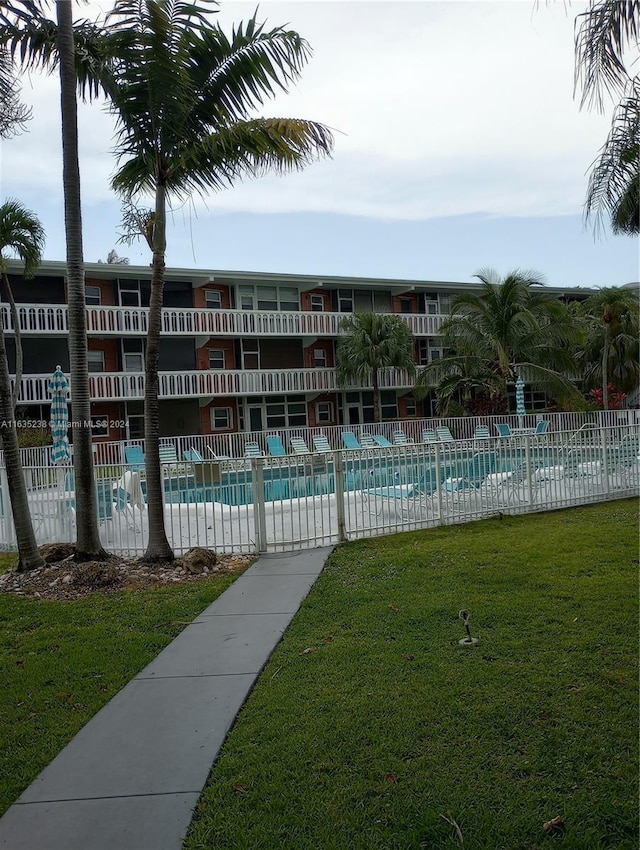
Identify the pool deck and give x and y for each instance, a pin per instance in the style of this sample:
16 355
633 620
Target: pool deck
131 778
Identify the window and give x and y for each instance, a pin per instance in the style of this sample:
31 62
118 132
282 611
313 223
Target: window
388 404
345 300
288 298
319 358
213 299
221 418
423 352
99 426
132 355
405 305
324 413
92 296
410 406
216 358
246 298
267 298
129 296
317 303
250 354
95 361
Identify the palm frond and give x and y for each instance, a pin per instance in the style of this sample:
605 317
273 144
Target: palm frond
22 235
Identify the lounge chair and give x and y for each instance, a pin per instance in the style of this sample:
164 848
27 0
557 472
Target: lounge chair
252 449
409 501
382 441
474 477
503 429
444 434
350 441
367 441
400 438
428 436
192 455
134 458
321 443
542 427
481 433
276 446
299 446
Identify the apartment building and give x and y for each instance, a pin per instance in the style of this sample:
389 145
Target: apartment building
240 351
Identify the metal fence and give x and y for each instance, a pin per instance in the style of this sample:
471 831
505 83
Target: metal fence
313 499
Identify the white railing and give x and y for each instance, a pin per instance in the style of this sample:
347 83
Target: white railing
133 321
302 501
118 386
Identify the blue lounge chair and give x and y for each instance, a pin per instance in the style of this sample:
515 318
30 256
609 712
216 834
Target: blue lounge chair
481 433
381 441
474 476
134 457
276 446
429 436
252 449
503 429
542 427
444 434
321 443
367 441
192 455
350 441
400 438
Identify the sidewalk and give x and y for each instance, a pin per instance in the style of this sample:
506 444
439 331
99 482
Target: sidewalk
131 777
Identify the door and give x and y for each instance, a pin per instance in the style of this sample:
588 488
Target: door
255 419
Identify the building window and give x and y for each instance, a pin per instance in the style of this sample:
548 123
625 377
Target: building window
213 299
99 426
267 298
388 404
130 296
221 418
406 305
319 358
285 412
133 355
95 361
345 300
250 354
288 298
317 303
423 352
410 406
92 296
216 358
324 413
246 298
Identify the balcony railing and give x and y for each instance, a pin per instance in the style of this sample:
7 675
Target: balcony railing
133 321
120 386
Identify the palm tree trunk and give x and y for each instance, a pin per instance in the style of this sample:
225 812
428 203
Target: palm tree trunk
158 548
17 337
28 555
605 369
88 544
376 397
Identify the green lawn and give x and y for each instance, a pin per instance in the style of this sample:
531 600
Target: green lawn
62 661
370 724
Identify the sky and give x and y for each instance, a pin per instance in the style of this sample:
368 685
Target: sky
459 146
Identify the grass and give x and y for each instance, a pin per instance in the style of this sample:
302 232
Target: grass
371 727
62 661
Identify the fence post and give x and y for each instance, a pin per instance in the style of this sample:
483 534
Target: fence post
259 517
528 470
339 479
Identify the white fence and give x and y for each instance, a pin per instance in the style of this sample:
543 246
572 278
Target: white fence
301 501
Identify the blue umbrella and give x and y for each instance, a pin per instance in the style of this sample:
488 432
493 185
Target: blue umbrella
520 409
59 417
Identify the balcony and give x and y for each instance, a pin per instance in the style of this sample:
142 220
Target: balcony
122 386
51 319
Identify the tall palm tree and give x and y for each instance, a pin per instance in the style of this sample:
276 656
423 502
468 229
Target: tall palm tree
373 341
604 32
613 341
183 94
35 41
13 113
506 329
21 233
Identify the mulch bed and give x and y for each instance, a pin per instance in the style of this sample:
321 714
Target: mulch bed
63 578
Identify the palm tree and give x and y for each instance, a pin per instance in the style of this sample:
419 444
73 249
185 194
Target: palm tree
505 329
13 113
183 93
604 32
21 233
612 344
36 41
373 342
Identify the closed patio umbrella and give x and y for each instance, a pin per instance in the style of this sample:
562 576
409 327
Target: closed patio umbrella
59 417
520 409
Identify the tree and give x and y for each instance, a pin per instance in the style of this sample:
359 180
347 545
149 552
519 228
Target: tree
37 42
611 347
13 113
604 32
182 93
20 233
506 329
373 342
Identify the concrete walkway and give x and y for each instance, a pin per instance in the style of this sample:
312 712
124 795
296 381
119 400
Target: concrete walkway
131 777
